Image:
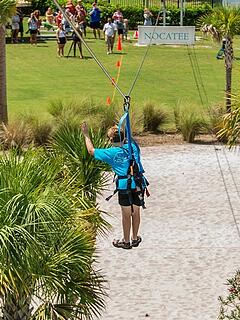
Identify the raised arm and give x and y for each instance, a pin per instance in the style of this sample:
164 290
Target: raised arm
88 141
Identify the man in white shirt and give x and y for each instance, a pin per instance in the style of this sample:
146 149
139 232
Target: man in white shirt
109 30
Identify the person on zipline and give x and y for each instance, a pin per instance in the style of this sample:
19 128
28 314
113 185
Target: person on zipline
130 192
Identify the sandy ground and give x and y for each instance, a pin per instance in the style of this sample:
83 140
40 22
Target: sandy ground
190 241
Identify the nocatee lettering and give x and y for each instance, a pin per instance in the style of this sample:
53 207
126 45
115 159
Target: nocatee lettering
184 36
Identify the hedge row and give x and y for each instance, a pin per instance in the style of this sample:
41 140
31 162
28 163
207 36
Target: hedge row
135 14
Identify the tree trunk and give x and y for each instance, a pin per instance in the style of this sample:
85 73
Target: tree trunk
228 52
3 90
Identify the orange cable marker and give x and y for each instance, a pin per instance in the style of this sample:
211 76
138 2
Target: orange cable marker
108 101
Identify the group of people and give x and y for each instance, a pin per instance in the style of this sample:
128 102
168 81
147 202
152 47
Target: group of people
77 14
115 24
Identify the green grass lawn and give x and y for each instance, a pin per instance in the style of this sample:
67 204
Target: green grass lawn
36 76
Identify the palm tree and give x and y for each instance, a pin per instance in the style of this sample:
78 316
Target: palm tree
46 251
7 8
224 22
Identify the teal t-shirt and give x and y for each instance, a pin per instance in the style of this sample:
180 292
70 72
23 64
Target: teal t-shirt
118 158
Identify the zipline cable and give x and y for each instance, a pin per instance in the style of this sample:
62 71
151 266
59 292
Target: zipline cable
215 149
103 68
194 74
145 55
199 73
206 96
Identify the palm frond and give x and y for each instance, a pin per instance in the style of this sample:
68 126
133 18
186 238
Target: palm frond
7 9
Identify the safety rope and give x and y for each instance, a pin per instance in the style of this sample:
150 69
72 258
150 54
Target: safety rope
103 68
197 74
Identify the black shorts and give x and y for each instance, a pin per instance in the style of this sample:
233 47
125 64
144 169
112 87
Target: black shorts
62 40
95 25
123 199
33 31
120 31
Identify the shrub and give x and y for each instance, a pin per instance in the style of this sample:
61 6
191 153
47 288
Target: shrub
230 308
153 118
16 134
89 110
217 123
134 13
188 122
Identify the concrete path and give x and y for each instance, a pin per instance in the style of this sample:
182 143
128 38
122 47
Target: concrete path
190 242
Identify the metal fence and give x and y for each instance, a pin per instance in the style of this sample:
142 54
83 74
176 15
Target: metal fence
157 3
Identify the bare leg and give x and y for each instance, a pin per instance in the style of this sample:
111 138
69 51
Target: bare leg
135 221
99 35
80 49
94 33
126 222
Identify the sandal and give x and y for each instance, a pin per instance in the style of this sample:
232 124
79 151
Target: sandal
122 244
135 243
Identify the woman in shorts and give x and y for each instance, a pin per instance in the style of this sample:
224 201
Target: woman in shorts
61 40
33 28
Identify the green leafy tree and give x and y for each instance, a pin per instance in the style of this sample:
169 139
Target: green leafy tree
7 9
46 250
224 22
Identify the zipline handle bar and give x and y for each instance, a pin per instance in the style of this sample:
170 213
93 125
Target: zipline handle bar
89 49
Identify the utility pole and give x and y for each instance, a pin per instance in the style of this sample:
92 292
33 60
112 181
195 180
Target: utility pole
164 12
181 12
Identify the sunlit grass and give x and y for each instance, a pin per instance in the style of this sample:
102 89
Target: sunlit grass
36 76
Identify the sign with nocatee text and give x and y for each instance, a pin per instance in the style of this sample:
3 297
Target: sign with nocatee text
166 35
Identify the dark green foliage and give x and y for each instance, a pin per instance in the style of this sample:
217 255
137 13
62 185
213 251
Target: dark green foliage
134 13
46 247
85 173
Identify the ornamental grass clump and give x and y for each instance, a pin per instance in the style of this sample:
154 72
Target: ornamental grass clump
189 122
153 118
74 112
16 134
40 129
230 129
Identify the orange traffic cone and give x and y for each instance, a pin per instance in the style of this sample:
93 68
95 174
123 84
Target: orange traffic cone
135 36
108 101
119 45
118 64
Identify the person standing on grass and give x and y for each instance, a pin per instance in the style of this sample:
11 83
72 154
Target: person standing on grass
33 28
119 159
147 17
21 16
15 28
61 40
125 29
109 30
81 19
95 18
